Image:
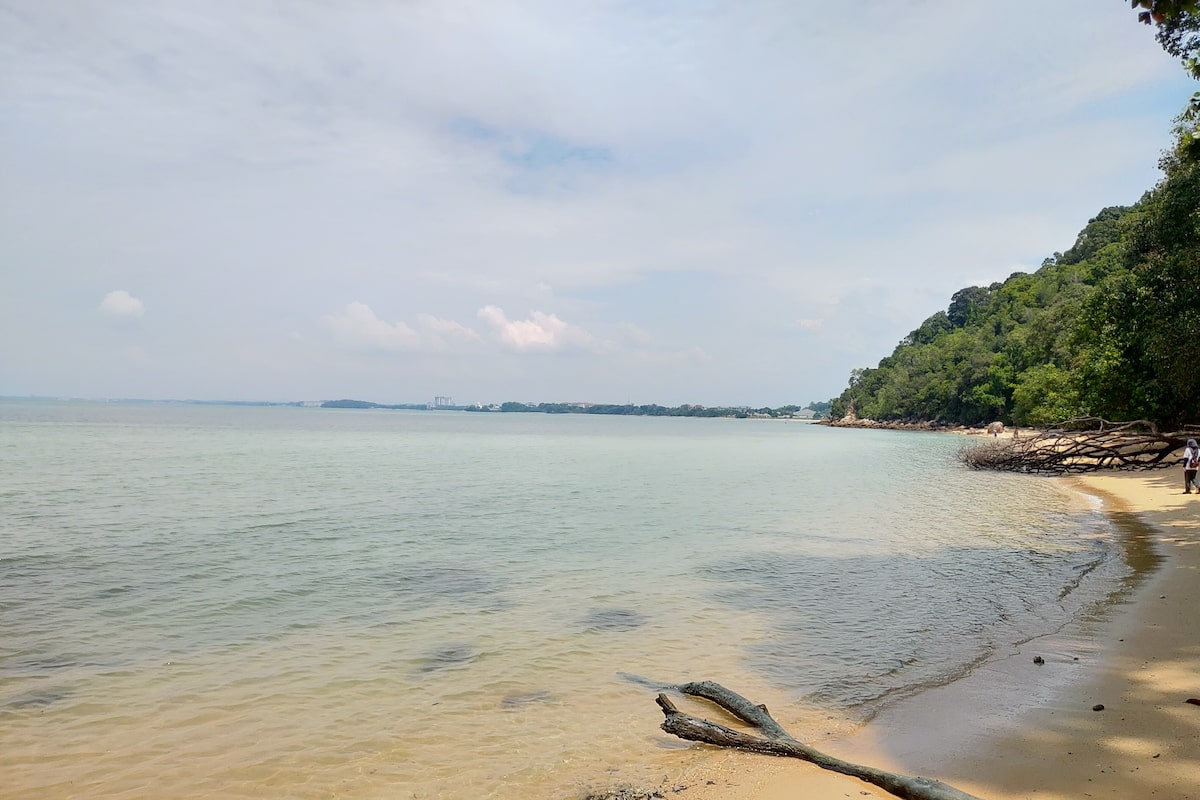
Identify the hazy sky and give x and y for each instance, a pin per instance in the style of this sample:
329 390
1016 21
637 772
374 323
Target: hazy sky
647 201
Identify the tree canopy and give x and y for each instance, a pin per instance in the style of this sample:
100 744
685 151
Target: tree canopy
1165 12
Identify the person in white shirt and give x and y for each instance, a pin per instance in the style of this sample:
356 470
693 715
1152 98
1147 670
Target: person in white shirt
1191 463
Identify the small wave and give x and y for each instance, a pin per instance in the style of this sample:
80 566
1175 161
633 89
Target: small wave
612 619
445 657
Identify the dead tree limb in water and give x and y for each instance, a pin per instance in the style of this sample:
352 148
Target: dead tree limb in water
778 742
1086 444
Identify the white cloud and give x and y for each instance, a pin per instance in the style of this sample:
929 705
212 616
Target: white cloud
445 333
120 304
540 333
358 327
634 334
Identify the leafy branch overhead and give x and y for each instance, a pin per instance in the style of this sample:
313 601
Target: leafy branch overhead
1178 24
1161 12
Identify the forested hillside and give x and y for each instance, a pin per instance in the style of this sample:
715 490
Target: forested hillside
1109 328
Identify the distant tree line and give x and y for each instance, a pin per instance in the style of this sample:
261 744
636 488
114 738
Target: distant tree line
651 410
1110 328
366 404
654 410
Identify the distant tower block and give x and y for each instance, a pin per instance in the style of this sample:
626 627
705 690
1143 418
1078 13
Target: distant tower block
441 401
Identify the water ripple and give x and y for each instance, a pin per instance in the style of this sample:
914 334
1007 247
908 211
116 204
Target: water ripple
241 602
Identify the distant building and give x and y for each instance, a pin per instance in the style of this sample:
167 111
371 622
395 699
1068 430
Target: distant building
440 401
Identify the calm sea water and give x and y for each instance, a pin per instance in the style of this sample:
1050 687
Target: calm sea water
225 602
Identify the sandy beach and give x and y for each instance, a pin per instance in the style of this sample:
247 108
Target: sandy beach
1017 729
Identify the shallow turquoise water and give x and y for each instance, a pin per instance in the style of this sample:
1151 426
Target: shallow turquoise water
292 602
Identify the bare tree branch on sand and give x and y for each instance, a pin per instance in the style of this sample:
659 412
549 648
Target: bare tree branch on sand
1084 444
776 741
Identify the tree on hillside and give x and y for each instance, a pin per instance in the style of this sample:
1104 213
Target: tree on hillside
1140 331
1108 328
966 304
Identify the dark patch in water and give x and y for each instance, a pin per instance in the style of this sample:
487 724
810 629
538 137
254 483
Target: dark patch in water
45 663
612 619
639 680
518 700
36 699
431 583
444 657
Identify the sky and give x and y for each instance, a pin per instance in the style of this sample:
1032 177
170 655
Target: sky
717 203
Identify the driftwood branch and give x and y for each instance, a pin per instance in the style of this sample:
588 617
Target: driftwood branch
1085 444
777 742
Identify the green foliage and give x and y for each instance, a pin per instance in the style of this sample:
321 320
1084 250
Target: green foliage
1178 23
820 409
1146 319
966 305
1110 328
1044 395
363 404
1179 35
650 410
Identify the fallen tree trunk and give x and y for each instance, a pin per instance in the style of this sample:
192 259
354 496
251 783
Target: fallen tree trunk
1085 444
778 742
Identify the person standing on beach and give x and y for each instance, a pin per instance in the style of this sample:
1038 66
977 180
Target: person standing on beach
1191 463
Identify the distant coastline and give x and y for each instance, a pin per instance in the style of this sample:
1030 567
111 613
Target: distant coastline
904 425
35 398
809 412
812 411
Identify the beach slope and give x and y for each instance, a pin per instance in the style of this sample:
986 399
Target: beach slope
1017 729
1145 742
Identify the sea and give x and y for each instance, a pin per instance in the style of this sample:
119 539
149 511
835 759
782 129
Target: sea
227 601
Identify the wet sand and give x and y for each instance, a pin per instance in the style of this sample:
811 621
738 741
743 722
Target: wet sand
1017 729
1146 665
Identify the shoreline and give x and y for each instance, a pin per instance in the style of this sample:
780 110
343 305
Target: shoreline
922 426
1144 667
1139 659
